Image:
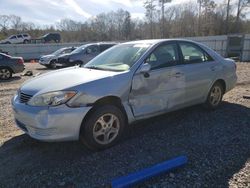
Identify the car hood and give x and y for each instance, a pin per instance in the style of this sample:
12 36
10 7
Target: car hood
63 79
64 55
47 56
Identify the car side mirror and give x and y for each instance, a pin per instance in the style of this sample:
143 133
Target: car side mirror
145 70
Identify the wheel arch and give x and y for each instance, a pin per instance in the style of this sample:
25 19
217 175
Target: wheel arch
11 70
223 83
107 100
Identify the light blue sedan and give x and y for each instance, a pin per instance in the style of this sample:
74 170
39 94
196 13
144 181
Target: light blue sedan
126 83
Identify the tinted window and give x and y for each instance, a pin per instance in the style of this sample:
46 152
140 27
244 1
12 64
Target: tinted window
163 56
25 35
19 36
93 49
68 50
104 47
193 54
1 57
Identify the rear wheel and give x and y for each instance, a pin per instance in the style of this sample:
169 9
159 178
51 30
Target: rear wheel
215 95
103 128
5 73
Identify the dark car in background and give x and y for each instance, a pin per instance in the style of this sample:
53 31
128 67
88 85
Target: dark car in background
51 37
49 60
83 54
10 65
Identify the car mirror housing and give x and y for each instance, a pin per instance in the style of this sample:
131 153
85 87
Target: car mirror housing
145 68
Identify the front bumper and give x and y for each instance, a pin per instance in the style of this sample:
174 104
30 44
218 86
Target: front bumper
60 123
231 82
44 62
18 68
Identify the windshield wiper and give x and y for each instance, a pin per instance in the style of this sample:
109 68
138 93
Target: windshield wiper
94 67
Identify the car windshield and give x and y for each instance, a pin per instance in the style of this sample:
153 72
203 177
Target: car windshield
78 50
118 58
58 52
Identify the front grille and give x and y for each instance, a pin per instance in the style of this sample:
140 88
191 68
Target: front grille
24 98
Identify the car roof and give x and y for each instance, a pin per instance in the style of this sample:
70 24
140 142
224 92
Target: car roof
3 54
64 48
156 41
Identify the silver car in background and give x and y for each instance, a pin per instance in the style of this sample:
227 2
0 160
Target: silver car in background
128 82
10 65
50 60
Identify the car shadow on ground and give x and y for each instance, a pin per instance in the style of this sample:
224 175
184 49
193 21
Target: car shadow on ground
215 142
44 68
13 78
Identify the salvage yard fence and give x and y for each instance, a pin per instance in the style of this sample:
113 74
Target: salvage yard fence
237 45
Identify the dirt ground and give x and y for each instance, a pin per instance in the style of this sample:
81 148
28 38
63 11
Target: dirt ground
216 143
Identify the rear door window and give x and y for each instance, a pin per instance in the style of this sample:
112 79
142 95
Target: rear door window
19 36
193 54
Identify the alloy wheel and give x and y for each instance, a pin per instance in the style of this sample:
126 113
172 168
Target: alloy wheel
106 128
5 73
215 95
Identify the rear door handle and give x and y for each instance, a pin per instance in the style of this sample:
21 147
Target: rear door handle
213 68
178 74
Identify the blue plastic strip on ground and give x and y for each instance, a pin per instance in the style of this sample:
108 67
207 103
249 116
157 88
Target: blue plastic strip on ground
131 179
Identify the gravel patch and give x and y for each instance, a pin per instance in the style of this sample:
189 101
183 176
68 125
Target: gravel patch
217 144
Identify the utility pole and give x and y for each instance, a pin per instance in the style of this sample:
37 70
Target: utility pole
162 4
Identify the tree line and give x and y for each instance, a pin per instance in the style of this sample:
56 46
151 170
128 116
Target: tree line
162 20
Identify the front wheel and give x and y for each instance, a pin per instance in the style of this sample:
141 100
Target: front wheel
214 97
78 63
53 64
103 128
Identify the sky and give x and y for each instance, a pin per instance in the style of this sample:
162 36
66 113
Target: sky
47 12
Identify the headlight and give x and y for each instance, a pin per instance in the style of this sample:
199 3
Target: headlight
51 98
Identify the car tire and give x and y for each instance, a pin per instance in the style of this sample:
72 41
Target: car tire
78 63
103 128
214 97
25 41
5 73
52 64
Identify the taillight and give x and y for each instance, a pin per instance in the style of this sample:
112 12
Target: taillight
20 61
